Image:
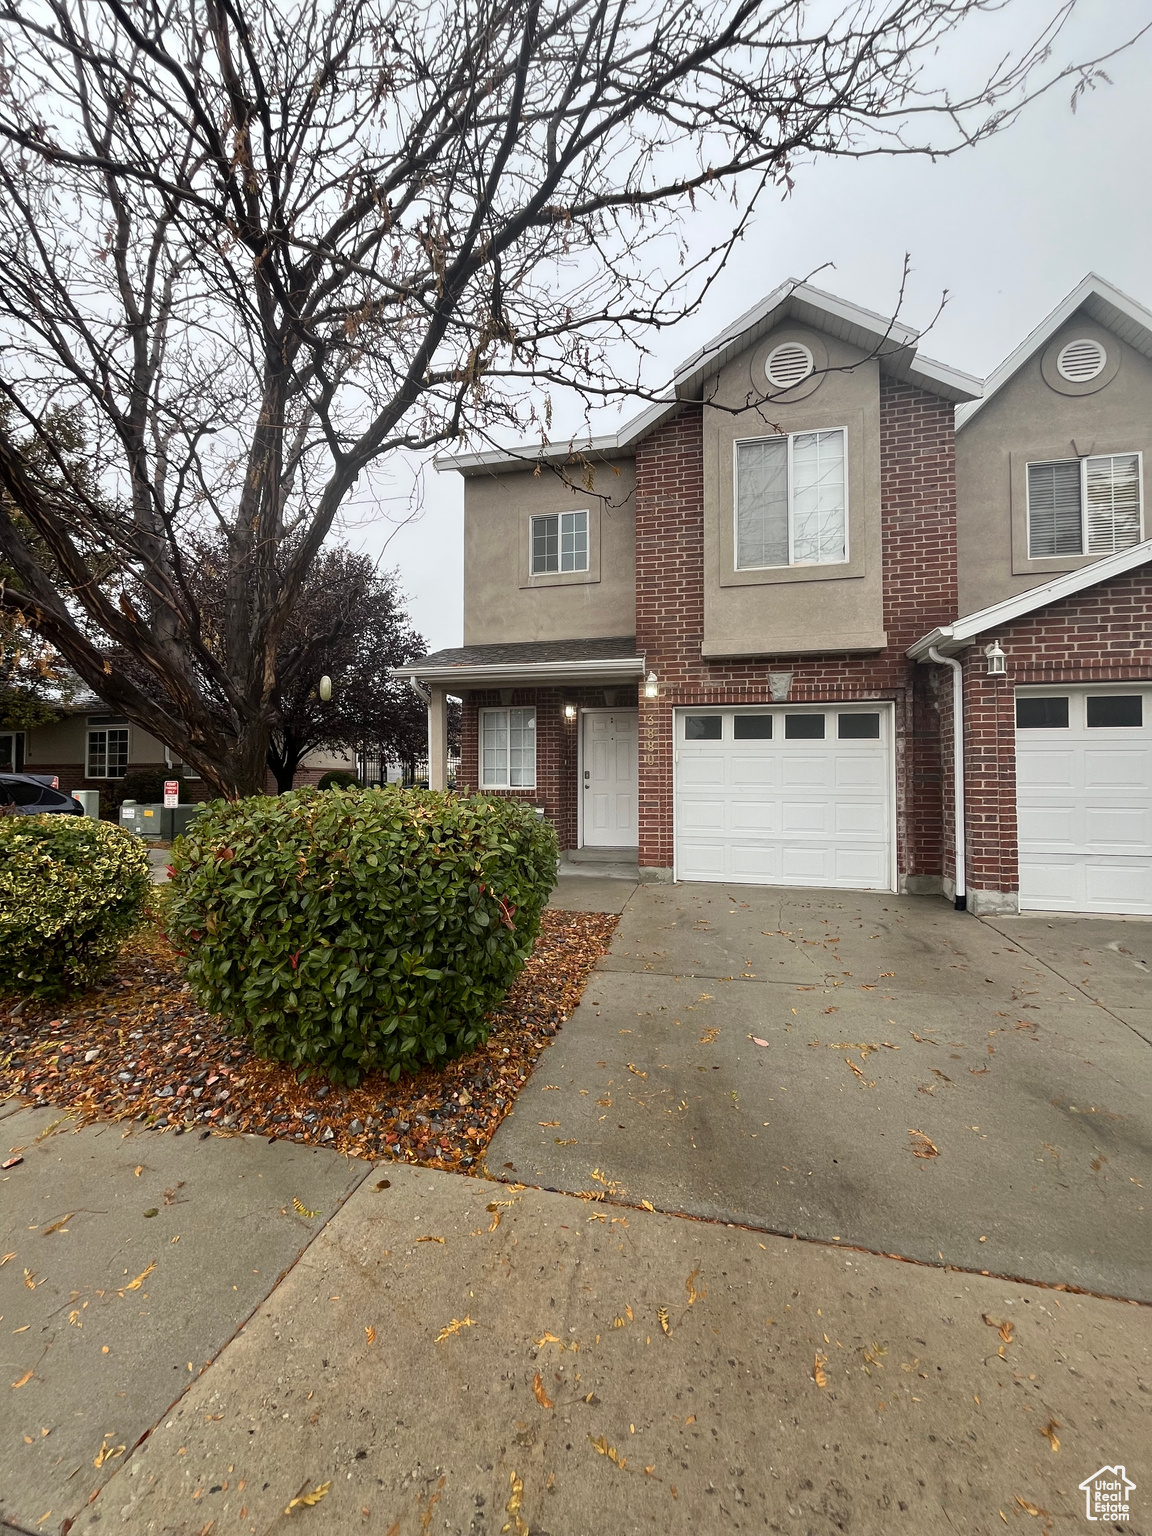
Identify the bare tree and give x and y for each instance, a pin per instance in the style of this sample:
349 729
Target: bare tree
258 247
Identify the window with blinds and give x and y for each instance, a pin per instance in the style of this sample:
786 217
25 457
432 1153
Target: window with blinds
791 500
1089 506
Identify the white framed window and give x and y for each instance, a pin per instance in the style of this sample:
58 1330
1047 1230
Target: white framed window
1089 506
791 500
559 543
108 752
508 749
11 751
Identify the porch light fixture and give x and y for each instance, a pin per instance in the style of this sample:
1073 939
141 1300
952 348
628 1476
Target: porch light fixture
997 661
325 689
569 711
651 686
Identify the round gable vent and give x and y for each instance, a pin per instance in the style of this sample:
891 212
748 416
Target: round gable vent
1081 361
788 364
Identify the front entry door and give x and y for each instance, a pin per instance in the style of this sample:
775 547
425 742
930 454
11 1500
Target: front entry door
609 778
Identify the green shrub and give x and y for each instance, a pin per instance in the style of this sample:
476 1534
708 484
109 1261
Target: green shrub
71 889
360 930
339 778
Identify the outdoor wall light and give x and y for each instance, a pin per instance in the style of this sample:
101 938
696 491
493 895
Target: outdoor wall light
651 686
997 661
325 689
569 711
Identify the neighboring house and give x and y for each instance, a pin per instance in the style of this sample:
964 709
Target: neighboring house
723 643
91 749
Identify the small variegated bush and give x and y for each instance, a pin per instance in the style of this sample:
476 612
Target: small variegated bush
356 930
71 890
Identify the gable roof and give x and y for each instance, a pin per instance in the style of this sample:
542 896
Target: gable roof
950 638
892 341
1101 301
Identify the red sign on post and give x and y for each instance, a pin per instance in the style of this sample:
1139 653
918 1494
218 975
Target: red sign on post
171 793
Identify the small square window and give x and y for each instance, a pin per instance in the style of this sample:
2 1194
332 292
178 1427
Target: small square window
703 727
862 727
804 727
752 727
559 543
1041 714
1109 710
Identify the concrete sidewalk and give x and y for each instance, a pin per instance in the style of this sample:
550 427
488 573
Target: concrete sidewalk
448 1366
877 1070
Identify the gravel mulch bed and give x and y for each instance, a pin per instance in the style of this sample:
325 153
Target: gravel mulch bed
137 1048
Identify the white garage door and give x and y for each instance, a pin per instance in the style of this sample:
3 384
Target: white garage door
786 796
1084 799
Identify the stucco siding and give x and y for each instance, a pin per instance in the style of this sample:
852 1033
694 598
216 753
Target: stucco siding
1037 417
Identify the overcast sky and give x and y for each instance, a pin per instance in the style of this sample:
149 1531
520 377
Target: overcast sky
1008 229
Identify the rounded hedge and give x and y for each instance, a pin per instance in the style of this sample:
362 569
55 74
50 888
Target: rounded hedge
71 889
339 778
359 930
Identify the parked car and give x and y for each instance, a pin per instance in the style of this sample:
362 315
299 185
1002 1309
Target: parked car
23 795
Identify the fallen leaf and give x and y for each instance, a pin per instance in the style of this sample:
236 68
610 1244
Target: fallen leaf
922 1146
24 1380
693 1294
517 1524
454 1327
301 1209
306 1500
548 1123
30 1280
819 1375
1029 1509
56 1225
430 1240
134 1285
1049 1433
4 1259
549 1338
108 1453
709 1036
647 1205
370 1332
538 1389
756 1040
138 1170
662 1319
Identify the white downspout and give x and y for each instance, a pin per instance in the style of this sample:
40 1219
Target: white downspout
961 897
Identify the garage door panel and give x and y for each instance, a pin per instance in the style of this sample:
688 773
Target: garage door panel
1127 827
785 810
702 815
1049 769
1084 813
754 817
1114 769
861 772
705 770
811 770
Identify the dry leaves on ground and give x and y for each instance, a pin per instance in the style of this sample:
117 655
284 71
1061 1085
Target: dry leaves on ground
137 1047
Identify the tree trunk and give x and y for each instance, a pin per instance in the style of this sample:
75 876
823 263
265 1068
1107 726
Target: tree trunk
283 758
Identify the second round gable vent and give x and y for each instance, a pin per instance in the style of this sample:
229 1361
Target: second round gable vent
1081 361
788 364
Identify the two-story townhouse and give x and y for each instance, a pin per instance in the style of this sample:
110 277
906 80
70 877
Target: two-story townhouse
721 644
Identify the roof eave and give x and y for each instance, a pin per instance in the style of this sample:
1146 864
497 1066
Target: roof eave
507 674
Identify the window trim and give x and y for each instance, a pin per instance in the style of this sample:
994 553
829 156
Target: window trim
505 710
19 750
792 565
576 570
1083 460
105 730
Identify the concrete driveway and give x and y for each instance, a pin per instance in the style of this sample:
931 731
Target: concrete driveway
864 1069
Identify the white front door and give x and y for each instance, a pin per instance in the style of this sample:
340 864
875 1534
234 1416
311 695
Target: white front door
608 794
1084 798
786 795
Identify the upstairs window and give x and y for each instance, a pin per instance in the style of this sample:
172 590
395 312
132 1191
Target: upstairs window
108 753
791 500
559 543
1089 506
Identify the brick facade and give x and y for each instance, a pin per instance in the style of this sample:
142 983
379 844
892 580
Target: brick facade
1101 635
918 531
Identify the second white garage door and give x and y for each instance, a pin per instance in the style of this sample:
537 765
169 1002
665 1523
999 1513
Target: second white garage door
786 796
1084 799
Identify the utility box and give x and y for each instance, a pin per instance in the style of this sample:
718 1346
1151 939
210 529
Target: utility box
90 800
164 823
